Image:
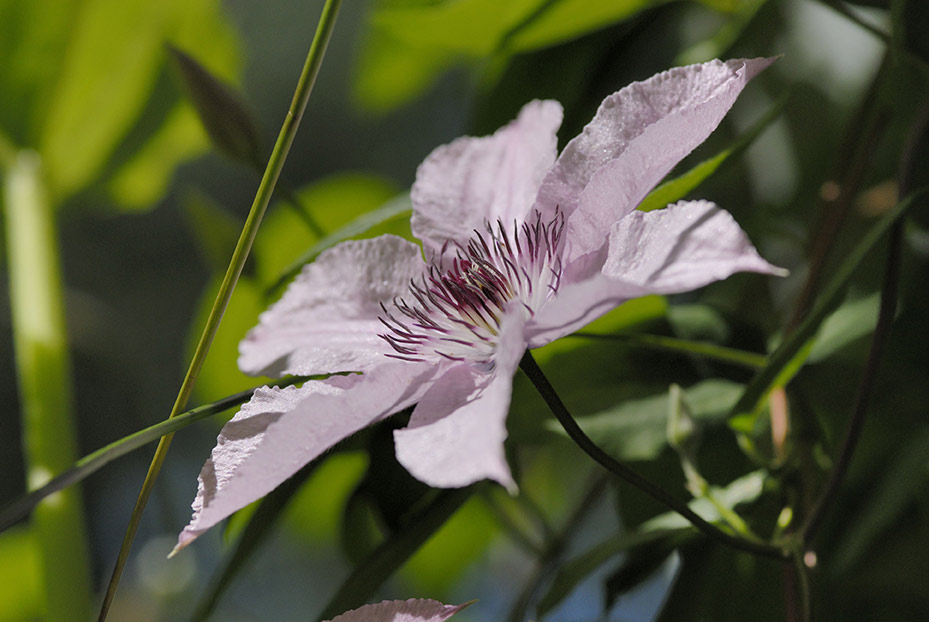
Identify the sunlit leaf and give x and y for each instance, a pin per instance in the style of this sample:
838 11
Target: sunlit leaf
561 21
850 322
468 27
110 67
410 44
144 177
82 83
390 72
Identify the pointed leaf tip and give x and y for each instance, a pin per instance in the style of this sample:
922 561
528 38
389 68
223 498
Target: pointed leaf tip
225 116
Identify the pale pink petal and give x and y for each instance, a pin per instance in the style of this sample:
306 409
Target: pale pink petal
413 610
576 305
676 249
680 248
327 319
472 180
456 433
281 430
634 140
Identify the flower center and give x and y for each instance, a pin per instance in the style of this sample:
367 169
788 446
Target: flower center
457 306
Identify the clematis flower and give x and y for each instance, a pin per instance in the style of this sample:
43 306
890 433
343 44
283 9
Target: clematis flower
521 248
413 610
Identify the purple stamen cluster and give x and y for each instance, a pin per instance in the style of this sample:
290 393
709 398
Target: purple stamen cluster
457 306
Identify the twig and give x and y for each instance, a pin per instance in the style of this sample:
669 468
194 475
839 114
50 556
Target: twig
531 369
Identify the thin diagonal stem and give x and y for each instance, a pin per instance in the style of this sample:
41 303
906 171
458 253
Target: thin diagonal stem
545 389
93 462
878 341
249 231
885 318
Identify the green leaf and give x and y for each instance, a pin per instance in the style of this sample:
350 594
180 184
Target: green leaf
228 120
107 74
669 525
637 429
395 551
850 322
790 356
391 72
440 563
718 583
346 203
901 483
698 322
468 27
562 21
315 514
143 177
86 79
409 45
718 45
678 188
639 564
745 489
571 574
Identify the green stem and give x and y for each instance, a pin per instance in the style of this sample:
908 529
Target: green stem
44 375
545 389
259 205
93 462
684 346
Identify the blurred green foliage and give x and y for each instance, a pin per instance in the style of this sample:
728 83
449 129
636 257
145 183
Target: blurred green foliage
84 85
